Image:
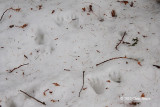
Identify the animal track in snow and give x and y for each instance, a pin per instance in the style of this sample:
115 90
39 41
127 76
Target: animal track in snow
97 81
97 85
67 18
44 42
115 76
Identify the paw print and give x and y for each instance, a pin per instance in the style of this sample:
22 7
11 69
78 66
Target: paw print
97 85
115 76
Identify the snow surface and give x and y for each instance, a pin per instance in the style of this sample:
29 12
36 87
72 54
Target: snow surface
59 46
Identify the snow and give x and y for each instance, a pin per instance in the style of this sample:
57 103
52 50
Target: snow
59 46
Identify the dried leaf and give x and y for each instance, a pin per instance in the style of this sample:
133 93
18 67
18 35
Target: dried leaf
142 95
84 88
125 2
56 84
23 26
139 63
84 9
113 13
53 100
44 93
17 10
108 81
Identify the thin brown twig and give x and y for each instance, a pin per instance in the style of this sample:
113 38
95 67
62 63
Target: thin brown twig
33 98
4 13
157 66
17 10
10 71
119 58
82 85
120 41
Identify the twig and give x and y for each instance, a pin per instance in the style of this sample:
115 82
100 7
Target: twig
120 58
120 41
4 13
157 66
17 10
33 98
10 71
82 85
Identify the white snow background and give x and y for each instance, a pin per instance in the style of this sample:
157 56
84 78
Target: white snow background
59 46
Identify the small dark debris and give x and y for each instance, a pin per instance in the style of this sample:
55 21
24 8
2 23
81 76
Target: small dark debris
25 56
101 20
11 26
53 11
134 103
131 4
90 8
113 13
157 66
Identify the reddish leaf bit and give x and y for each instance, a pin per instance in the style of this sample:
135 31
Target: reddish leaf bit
90 8
17 10
139 63
125 2
53 11
44 93
142 95
84 9
84 88
56 84
53 100
108 81
11 26
23 26
113 13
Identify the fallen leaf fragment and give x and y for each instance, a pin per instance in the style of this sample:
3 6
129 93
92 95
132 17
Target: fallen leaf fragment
17 10
56 84
84 9
84 88
108 81
113 13
23 26
44 93
125 2
53 100
142 95
139 63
